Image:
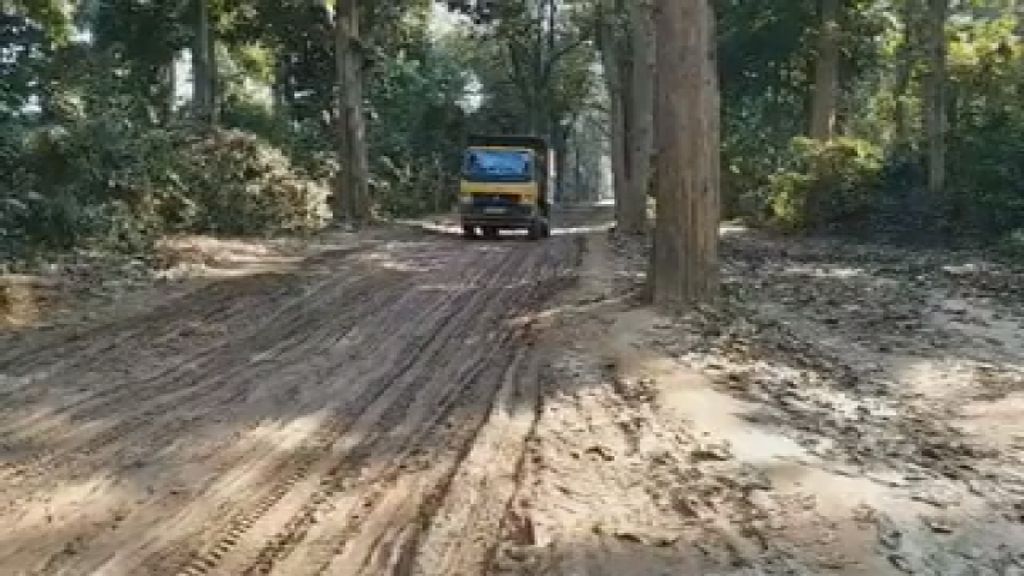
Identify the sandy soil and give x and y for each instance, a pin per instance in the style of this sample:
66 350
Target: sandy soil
846 410
405 402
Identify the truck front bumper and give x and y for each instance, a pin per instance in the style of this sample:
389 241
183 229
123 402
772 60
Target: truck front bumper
498 216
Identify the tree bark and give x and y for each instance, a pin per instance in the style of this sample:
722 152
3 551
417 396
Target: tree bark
171 103
611 60
641 117
280 87
685 259
351 199
904 72
826 75
935 97
203 98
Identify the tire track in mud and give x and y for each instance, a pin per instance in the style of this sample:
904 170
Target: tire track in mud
475 499
170 324
91 347
399 366
74 345
426 348
83 358
318 492
423 445
298 341
251 315
188 387
405 316
413 305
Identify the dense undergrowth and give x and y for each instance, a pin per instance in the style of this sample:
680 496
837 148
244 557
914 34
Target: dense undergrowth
104 183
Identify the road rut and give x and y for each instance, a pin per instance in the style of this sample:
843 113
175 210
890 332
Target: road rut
308 421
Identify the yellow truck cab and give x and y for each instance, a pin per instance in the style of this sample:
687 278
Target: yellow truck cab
504 186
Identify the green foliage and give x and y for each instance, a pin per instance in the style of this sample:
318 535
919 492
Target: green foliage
834 184
235 183
416 131
986 193
24 53
106 181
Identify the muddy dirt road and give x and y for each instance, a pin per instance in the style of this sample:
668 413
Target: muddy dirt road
402 402
300 421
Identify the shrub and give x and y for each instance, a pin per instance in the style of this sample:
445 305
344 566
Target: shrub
987 182
238 184
110 183
833 184
96 180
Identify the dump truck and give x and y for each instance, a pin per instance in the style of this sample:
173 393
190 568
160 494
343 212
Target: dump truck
505 185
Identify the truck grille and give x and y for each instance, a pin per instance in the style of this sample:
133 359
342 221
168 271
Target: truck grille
495 199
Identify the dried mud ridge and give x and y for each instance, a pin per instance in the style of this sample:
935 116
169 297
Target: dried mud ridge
303 422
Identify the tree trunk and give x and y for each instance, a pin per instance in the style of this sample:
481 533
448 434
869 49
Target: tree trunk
611 58
351 200
641 117
279 88
935 98
171 79
685 259
203 65
215 91
578 186
826 75
904 72
560 144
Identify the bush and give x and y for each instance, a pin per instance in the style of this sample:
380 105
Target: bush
834 184
238 184
110 183
414 186
987 181
16 188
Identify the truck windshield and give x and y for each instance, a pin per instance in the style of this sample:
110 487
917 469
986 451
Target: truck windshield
498 166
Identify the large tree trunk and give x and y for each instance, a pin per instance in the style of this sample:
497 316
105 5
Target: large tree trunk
641 117
203 66
935 97
685 261
611 59
351 200
826 75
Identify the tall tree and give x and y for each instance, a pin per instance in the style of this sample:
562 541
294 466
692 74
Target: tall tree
627 56
641 116
204 64
935 96
904 74
685 262
613 57
351 190
826 75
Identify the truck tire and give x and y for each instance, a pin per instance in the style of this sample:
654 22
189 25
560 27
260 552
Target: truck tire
536 230
491 232
469 232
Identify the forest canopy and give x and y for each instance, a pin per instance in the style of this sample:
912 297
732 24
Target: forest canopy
121 120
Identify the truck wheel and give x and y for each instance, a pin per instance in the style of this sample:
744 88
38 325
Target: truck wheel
469 232
490 232
536 230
